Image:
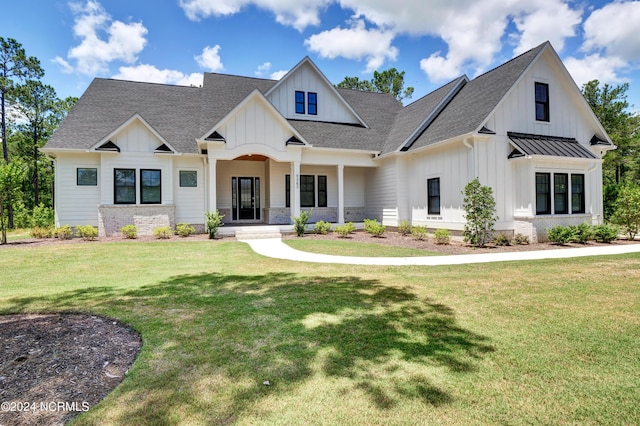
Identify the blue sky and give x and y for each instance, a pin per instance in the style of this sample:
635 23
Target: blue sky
175 41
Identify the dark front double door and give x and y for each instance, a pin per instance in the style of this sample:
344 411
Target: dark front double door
245 196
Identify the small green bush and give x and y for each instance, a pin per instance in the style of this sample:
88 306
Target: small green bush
560 234
419 232
605 233
163 232
373 227
22 216
40 232
184 229
213 222
300 222
129 231
442 236
63 232
404 227
42 216
520 239
322 227
502 240
351 228
87 232
582 233
343 230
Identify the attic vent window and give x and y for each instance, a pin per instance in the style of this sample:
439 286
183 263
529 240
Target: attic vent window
163 149
109 147
215 137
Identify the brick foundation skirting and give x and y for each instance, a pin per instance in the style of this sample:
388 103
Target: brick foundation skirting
146 218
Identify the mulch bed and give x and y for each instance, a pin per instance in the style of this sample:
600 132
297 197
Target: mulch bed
55 366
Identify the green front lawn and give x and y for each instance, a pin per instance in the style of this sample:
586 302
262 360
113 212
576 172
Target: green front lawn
547 342
347 248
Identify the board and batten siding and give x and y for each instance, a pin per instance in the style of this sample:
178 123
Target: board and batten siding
189 201
568 116
254 124
451 165
331 108
76 205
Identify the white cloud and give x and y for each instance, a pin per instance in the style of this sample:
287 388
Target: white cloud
102 40
298 14
595 67
357 42
614 29
262 69
277 75
555 22
151 74
210 59
64 65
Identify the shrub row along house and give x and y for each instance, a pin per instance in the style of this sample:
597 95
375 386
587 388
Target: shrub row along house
260 151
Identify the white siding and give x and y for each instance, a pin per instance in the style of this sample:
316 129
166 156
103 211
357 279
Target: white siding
381 190
568 116
354 186
451 165
228 169
331 108
76 205
254 124
136 137
277 173
190 202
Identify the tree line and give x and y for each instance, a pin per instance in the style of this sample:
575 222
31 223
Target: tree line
31 111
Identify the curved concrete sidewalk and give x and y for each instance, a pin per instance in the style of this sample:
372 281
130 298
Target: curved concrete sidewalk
275 248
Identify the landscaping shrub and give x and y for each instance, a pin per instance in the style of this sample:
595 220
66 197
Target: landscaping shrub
63 232
42 216
129 231
605 233
322 227
163 232
404 227
22 217
560 234
442 236
373 227
582 233
213 222
521 239
480 213
627 213
87 232
40 232
419 232
351 228
300 222
502 240
184 229
343 230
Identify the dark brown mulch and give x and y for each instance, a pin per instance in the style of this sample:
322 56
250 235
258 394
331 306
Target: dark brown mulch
456 246
55 366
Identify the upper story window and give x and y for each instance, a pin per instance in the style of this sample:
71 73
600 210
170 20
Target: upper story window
306 102
313 103
299 102
542 101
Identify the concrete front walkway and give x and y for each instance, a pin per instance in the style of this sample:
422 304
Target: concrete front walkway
275 248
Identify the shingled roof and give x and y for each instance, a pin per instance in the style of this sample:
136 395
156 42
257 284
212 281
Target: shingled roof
180 115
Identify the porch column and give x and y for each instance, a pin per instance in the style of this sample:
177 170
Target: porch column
212 185
295 189
340 193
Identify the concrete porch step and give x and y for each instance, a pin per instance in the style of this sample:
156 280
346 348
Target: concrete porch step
257 232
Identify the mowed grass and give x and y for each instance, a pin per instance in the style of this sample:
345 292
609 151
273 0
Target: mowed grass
347 248
547 342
